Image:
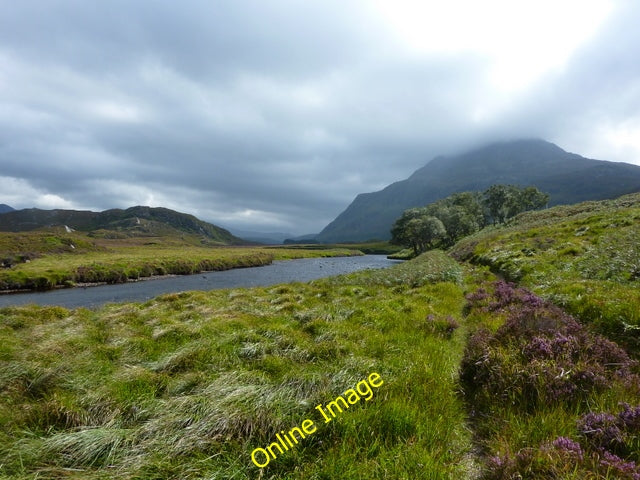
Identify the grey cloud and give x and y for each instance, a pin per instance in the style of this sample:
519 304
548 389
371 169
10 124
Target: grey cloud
267 114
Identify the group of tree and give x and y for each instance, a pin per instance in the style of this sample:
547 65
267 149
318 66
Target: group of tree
442 223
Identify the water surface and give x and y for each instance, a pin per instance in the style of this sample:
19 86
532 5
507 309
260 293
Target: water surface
302 270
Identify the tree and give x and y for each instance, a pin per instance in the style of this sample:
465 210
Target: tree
501 202
444 222
399 233
424 232
458 222
506 201
472 203
417 230
533 199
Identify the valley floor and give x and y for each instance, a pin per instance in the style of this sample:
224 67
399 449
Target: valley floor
118 263
431 369
189 385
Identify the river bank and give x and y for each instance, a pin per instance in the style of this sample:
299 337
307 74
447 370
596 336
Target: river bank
133 263
187 385
279 271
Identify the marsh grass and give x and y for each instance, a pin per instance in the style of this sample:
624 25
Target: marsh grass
120 263
186 385
489 383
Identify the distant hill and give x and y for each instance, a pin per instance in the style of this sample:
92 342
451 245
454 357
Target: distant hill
308 238
268 238
134 221
567 177
5 208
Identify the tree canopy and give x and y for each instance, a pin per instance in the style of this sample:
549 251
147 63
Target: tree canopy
444 222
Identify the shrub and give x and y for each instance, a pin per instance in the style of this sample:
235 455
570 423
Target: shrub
540 355
608 446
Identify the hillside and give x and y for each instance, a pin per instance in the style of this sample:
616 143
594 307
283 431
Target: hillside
133 222
583 257
567 177
5 208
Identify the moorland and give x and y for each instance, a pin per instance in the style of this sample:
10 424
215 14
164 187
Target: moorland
514 354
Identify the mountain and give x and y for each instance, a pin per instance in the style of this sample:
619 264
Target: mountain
268 238
307 238
5 208
134 221
566 177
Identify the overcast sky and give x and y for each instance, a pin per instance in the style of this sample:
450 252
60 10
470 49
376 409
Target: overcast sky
272 115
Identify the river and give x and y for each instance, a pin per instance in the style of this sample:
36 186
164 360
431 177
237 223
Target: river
301 270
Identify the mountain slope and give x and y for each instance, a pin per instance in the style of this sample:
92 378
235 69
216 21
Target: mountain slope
567 177
5 208
134 221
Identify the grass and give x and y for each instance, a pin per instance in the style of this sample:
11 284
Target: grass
46 260
483 379
584 257
546 397
187 385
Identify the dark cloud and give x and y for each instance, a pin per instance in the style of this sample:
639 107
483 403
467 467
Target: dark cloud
274 115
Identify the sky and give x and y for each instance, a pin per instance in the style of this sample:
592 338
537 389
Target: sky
273 115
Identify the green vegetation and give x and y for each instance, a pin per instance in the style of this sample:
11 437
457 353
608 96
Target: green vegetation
483 379
584 258
50 258
134 262
547 398
446 221
188 385
505 201
18 247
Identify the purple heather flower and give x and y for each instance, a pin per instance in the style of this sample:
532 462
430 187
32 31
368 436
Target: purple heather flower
538 347
614 462
532 300
630 418
567 445
477 296
600 429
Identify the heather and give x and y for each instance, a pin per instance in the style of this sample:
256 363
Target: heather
534 380
584 258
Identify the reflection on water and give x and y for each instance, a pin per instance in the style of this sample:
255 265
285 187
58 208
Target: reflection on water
302 270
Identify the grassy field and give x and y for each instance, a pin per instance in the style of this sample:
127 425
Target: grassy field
481 378
46 260
188 385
